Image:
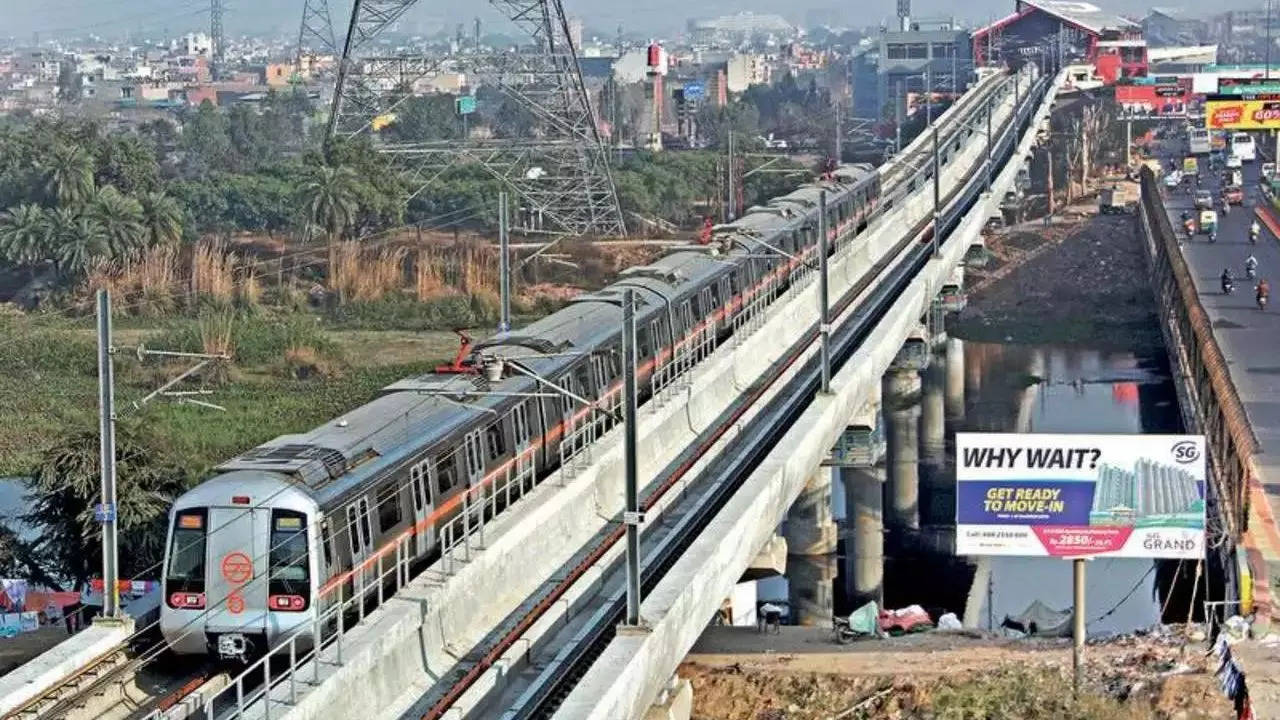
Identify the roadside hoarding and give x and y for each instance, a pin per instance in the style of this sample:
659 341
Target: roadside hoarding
1260 111
1080 495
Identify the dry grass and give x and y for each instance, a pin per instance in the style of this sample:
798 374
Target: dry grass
216 339
213 272
249 289
469 267
303 362
142 285
365 275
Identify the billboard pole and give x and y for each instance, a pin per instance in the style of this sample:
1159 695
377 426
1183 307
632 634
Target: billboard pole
1077 632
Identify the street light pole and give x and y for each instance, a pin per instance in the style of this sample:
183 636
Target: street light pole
824 311
107 455
937 194
631 516
504 263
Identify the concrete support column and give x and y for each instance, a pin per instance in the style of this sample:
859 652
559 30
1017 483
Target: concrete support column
864 546
675 702
811 552
955 379
901 392
933 417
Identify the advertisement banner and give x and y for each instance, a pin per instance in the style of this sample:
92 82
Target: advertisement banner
1243 113
1080 495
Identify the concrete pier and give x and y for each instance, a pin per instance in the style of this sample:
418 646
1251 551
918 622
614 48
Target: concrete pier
864 548
901 393
933 422
955 379
811 552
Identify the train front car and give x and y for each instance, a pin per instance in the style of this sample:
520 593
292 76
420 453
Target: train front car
240 570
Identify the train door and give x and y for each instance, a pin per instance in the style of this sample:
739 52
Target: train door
424 536
473 464
237 574
360 533
523 437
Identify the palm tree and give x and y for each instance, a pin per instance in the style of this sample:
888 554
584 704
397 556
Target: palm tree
329 195
120 218
68 175
161 218
75 240
22 235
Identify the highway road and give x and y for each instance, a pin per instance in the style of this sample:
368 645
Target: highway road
1249 338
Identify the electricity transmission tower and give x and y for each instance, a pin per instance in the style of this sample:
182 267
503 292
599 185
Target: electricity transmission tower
216 38
316 28
559 170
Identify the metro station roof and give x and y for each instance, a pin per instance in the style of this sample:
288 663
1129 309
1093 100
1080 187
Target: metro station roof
1086 16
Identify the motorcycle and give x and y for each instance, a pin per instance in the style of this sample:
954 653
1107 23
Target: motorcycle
1253 236
1213 236
1227 287
1250 272
1262 302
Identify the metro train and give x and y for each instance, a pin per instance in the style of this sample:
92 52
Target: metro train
279 533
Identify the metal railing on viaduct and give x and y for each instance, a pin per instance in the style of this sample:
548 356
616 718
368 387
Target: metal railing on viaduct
1206 393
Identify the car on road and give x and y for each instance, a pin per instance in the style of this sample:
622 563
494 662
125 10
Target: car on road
1233 160
1173 179
1204 200
1268 170
1233 194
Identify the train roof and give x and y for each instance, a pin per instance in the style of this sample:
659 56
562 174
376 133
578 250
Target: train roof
421 409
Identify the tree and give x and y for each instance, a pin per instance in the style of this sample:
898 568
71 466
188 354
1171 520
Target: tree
207 140
423 118
74 240
161 218
22 235
65 485
329 196
128 163
68 175
119 218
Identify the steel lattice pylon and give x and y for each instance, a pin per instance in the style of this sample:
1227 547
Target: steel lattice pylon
217 38
316 27
561 173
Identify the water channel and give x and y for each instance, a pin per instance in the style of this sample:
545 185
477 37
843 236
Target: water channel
1023 388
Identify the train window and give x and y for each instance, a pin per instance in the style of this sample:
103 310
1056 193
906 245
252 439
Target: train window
187 552
446 473
600 368
289 559
473 456
325 540
582 377
366 533
418 486
566 402
389 514
497 443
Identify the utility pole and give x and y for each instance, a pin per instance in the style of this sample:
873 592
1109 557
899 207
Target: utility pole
937 194
899 98
631 516
988 163
107 447
824 309
1267 71
733 210
839 146
1049 158
928 95
504 263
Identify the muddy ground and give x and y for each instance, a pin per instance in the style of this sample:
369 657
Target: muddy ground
1081 280
801 674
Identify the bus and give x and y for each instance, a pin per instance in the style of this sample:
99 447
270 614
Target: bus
1198 138
1242 146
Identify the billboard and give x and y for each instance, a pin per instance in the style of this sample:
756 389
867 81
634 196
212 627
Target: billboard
1246 112
1080 495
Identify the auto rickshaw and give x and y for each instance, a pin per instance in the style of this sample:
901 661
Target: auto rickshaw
1208 221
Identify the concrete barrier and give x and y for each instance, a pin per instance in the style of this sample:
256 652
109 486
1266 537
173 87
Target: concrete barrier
45 672
418 637
633 669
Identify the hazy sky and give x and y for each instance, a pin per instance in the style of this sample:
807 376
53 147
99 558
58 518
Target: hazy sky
114 17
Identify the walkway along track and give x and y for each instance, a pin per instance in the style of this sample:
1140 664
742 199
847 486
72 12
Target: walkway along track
733 465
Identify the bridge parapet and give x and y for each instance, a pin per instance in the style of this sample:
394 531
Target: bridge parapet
1210 403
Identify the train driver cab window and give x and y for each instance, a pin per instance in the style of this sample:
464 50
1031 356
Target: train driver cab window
289 575
184 581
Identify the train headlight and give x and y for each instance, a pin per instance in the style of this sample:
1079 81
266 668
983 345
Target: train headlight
287 603
186 601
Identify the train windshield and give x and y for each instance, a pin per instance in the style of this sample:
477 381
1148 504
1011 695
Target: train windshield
290 560
187 551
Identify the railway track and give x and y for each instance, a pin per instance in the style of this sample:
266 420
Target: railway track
557 678
101 689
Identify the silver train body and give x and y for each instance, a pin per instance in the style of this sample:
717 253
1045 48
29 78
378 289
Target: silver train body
278 533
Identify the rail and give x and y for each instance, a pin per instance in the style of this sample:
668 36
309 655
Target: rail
386 571
567 665
1219 414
